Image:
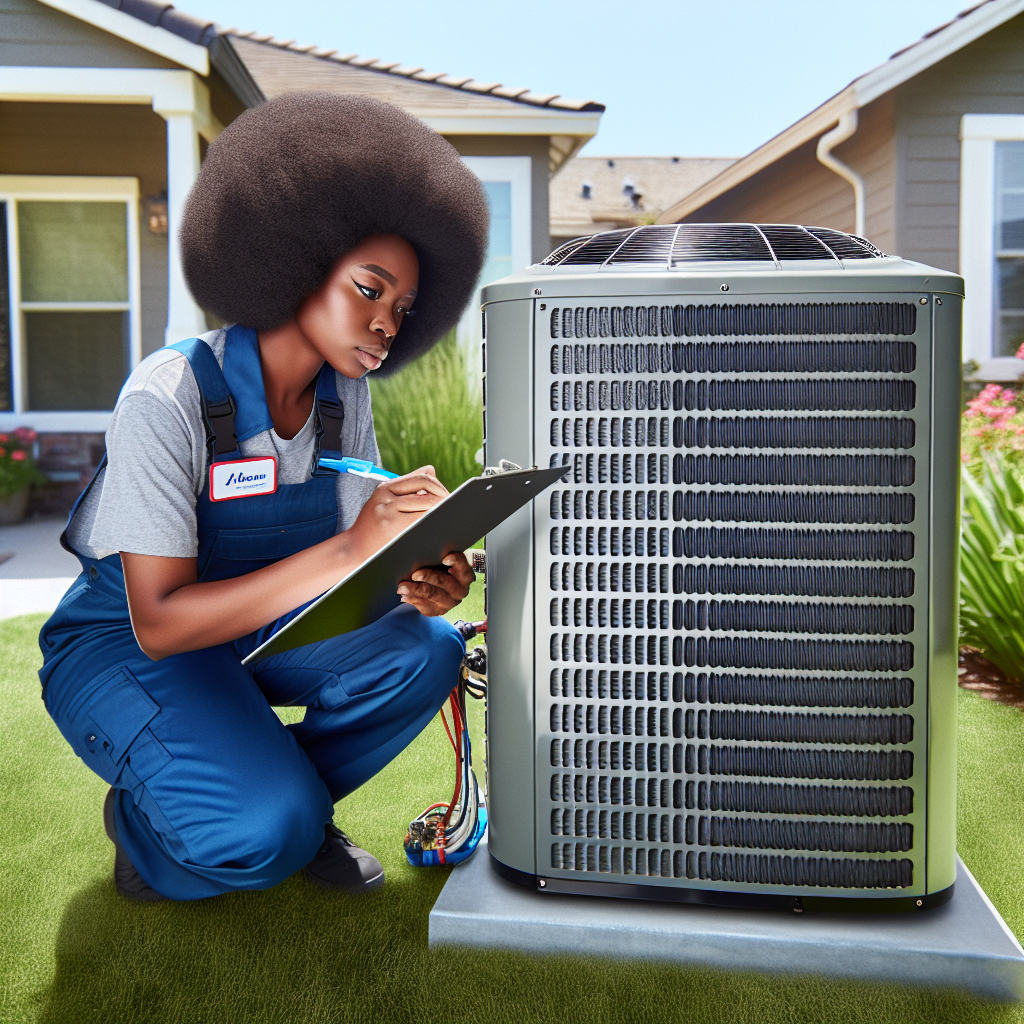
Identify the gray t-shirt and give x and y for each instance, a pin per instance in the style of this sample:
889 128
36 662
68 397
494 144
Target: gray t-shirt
145 500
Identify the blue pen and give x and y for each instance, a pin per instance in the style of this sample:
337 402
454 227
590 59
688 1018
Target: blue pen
358 467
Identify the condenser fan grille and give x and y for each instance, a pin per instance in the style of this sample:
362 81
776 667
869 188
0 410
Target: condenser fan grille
670 246
730 601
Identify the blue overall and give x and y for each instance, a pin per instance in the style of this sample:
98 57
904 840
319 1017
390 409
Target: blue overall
214 793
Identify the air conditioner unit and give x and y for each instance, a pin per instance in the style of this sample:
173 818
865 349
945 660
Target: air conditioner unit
723 652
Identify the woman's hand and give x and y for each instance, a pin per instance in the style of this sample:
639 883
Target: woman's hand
433 591
394 505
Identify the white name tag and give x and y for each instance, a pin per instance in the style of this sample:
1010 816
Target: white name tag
242 478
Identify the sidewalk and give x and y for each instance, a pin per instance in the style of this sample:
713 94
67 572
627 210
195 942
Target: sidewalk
35 570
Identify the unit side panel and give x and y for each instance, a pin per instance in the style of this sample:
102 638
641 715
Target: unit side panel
732 596
945 586
508 387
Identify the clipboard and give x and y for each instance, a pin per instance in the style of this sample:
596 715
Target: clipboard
369 591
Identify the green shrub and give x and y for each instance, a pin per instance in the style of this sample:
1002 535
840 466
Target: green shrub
429 414
17 467
992 564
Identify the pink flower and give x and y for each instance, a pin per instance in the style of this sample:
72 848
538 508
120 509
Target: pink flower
25 434
965 457
1020 352
18 455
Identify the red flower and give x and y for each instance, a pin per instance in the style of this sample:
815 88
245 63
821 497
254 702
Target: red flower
18 455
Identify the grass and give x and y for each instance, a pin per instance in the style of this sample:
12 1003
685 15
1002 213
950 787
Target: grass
72 950
429 414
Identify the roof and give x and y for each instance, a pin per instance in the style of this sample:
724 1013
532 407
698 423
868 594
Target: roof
415 73
203 32
623 191
903 65
258 67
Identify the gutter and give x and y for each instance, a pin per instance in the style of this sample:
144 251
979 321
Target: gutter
844 130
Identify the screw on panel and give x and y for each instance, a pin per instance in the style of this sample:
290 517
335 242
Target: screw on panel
938 302
920 903
536 291
923 301
543 305
798 905
725 287
542 883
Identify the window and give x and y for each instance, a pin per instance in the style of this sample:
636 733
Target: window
72 326
506 181
1009 232
992 242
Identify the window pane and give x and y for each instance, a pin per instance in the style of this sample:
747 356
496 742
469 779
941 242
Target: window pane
499 243
76 361
1010 195
5 317
1010 306
73 252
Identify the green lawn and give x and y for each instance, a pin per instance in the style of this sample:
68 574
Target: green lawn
72 950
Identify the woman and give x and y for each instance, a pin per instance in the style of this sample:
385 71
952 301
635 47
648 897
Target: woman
339 236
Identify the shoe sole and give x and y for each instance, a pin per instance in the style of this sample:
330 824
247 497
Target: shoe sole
370 885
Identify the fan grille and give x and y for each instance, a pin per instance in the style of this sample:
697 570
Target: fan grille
673 245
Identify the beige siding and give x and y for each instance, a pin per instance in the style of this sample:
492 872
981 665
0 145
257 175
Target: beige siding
34 35
797 189
93 139
986 77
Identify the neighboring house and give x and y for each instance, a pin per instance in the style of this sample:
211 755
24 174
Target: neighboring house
106 109
599 193
932 143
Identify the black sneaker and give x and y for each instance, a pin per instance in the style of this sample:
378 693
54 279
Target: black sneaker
340 865
129 882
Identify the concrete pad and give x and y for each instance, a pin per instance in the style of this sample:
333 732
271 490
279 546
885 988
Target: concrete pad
964 944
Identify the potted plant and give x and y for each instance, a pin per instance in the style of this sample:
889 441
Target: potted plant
17 474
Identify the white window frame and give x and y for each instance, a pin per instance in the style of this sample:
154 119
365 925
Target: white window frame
979 134
517 171
52 188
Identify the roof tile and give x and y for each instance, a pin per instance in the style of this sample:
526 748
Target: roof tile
537 99
472 86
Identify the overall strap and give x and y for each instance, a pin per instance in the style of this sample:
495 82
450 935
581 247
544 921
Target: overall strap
328 419
218 405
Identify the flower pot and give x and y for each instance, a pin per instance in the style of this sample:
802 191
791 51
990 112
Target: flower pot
12 507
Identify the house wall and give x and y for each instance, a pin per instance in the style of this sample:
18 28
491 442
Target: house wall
34 35
97 139
536 148
985 77
797 189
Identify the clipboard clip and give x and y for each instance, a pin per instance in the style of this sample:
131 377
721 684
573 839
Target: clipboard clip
504 466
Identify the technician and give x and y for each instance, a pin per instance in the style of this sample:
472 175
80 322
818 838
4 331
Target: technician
338 235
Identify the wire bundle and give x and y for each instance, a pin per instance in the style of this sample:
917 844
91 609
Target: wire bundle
446 833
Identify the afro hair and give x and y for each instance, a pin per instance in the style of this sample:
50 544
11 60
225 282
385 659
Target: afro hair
292 185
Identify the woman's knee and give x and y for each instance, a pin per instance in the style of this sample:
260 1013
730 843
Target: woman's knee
281 830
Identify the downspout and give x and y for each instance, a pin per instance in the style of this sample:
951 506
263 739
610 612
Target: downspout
844 130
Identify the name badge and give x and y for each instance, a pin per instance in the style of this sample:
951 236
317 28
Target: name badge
242 478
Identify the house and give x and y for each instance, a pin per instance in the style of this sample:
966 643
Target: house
599 193
106 110
924 156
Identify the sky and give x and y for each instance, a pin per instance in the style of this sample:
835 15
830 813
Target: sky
679 77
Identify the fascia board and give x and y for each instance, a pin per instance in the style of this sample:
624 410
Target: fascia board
149 37
512 123
924 54
859 93
167 90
